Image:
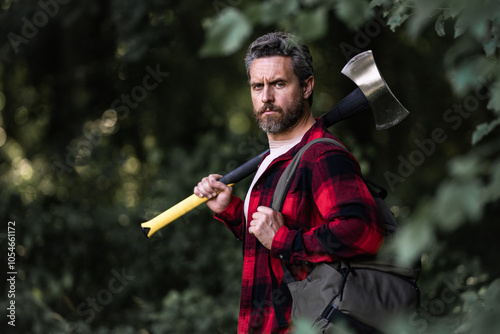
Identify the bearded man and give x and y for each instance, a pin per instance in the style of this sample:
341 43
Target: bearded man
328 213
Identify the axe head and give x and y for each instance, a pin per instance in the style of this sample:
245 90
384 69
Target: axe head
386 108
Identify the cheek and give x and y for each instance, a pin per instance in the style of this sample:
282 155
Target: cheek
254 96
288 98
299 95
256 101
256 105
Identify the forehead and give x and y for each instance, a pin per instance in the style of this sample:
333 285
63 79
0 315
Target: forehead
270 68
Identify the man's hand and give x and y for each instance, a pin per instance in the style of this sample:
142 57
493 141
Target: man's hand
218 193
264 225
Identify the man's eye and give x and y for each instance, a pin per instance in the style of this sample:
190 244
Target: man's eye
257 87
280 84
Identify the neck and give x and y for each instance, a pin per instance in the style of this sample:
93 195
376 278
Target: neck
302 126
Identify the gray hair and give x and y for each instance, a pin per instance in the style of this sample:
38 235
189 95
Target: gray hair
286 45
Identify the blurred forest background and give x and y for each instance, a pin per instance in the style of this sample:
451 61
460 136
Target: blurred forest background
112 110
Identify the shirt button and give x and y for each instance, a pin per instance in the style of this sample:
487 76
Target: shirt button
281 256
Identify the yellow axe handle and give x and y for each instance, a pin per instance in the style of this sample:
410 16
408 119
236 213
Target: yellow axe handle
149 228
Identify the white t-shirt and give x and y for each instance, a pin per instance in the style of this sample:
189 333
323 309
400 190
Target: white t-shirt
276 148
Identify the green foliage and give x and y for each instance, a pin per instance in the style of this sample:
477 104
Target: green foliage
482 310
475 24
354 13
483 130
311 24
190 312
227 33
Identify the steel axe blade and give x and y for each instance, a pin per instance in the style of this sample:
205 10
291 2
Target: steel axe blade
386 108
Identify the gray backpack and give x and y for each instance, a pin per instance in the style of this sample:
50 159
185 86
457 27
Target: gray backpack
366 293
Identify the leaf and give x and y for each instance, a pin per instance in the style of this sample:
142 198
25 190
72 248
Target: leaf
353 13
465 76
303 326
458 201
375 3
492 295
492 41
439 26
226 34
416 236
273 11
494 103
490 48
421 15
483 130
311 25
479 29
452 12
460 27
481 310
493 188
397 18
465 167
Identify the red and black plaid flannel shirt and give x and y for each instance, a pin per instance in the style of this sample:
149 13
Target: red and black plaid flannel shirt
329 214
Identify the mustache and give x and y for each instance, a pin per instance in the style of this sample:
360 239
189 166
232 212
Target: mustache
269 106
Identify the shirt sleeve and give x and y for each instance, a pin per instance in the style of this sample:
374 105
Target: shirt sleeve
233 217
350 216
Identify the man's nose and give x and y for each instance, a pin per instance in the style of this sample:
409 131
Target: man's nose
267 94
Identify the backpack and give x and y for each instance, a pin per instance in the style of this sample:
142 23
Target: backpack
365 292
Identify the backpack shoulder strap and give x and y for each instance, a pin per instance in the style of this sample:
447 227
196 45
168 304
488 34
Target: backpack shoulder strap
277 204
289 173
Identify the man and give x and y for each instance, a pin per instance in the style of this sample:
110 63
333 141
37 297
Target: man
328 213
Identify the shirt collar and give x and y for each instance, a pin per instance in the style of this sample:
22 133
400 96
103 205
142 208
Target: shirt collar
318 130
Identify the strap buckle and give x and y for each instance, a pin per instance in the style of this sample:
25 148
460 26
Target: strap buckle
329 313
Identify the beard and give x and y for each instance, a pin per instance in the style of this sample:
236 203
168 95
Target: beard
283 120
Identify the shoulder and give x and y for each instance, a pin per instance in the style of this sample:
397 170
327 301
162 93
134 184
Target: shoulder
328 155
325 146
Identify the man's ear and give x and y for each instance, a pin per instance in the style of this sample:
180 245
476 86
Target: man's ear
308 87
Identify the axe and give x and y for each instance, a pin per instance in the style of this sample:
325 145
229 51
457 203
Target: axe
372 93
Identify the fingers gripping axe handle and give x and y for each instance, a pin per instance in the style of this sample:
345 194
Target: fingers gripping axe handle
352 104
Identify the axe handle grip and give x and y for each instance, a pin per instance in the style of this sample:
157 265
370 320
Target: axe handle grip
175 212
352 104
243 171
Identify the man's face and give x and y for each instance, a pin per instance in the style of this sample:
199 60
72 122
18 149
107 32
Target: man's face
277 96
